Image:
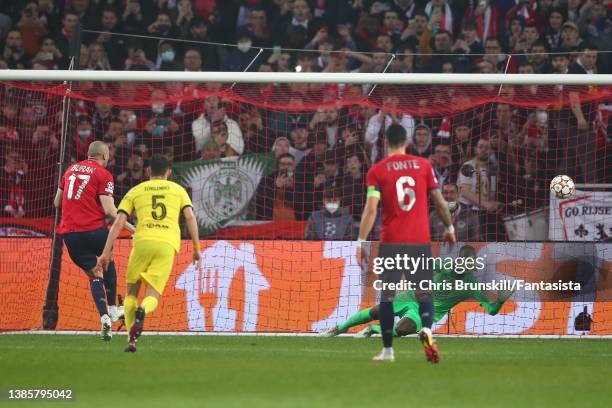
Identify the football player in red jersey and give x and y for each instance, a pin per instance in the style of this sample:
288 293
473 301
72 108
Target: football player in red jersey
85 195
404 183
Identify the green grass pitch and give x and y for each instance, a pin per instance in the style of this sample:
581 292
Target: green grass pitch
203 371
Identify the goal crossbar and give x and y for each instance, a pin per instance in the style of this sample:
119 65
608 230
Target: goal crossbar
298 77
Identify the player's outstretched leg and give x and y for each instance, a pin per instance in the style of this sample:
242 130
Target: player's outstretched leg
148 306
375 329
431 349
386 323
98 294
136 329
131 305
364 333
107 328
426 310
404 327
361 317
110 284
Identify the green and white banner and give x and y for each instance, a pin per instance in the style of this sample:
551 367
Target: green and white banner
222 189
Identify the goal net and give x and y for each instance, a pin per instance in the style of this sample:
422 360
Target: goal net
264 161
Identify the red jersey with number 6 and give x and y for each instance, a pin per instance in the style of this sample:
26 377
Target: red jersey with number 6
404 182
82 183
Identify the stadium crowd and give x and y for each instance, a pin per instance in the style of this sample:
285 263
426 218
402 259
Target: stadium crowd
492 159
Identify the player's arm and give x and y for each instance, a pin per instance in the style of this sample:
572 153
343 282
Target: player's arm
110 211
118 225
192 228
443 212
464 190
57 200
576 106
492 307
369 214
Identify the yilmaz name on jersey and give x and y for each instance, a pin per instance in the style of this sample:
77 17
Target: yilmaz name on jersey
152 225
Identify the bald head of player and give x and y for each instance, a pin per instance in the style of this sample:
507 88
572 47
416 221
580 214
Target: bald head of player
396 140
99 152
159 167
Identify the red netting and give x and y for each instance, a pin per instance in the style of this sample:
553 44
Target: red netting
533 134
259 161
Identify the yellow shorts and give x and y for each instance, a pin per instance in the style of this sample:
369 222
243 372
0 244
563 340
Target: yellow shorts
151 261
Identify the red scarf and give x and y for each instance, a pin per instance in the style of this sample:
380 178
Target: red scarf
487 24
67 34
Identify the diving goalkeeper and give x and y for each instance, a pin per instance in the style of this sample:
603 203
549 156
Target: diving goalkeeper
406 307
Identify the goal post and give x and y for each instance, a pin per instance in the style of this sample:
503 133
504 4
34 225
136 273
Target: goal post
262 153
304 77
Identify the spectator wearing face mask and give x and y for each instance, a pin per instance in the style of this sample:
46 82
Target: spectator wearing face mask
161 27
331 222
83 138
161 128
239 58
166 59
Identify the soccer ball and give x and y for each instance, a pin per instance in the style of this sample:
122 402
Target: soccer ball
562 187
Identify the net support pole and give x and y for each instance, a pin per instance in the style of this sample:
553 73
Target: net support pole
50 308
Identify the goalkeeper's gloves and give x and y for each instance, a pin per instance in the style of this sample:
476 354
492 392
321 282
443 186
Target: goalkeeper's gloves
503 295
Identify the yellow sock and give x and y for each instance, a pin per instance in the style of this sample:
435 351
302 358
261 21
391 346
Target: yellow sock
130 303
149 304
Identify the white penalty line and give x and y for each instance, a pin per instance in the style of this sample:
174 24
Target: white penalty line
307 334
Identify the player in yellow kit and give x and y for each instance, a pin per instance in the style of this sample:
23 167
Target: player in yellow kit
158 204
